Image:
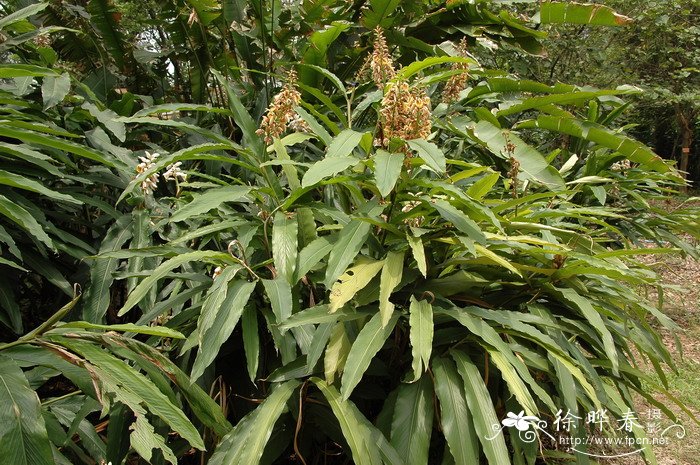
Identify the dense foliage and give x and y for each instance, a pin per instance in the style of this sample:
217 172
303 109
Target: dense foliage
314 232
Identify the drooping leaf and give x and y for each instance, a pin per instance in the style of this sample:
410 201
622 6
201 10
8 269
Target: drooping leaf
217 323
116 372
455 418
145 286
246 442
345 249
365 441
416 244
144 439
54 89
284 244
311 255
251 341
480 405
370 340
336 352
387 169
325 168
23 436
532 164
412 424
421 323
161 331
210 199
431 154
24 219
98 296
580 13
392 272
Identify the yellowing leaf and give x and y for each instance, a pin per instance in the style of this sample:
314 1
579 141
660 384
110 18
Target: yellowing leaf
392 272
353 280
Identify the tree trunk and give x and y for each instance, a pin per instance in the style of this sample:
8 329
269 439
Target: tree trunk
685 123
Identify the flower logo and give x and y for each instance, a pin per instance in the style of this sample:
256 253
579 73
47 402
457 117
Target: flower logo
520 421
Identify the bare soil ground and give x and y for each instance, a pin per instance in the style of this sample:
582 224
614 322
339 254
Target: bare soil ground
681 301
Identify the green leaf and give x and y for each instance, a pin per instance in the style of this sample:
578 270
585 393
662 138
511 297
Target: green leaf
633 150
251 341
416 244
54 89
23 437
418 66
98 296
34 138
336 352
24 183
455 419
9 303
284 244
596 321
370 339
311 255
216 325
145 286
421 323
533 166
8 71
431 154
144 439
326 168
481 406
344 143
392 272
160 331
412 424
280 294
21 14
460 219
483 186
345 250
209 200
109 119
117 373
363 439
580 13
378 13
353 280
387 169
25 220
245 444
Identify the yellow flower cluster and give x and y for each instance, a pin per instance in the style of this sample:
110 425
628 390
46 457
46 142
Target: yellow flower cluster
458 82
405 113
381 63
281 112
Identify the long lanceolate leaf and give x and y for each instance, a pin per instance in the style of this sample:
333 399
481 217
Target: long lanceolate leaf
367 445
115 372
144 287
412 424
481 407
23 436
245 443
368 343
455 417
97 297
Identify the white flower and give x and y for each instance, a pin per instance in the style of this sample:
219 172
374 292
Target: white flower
217 272
174 172
148 161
